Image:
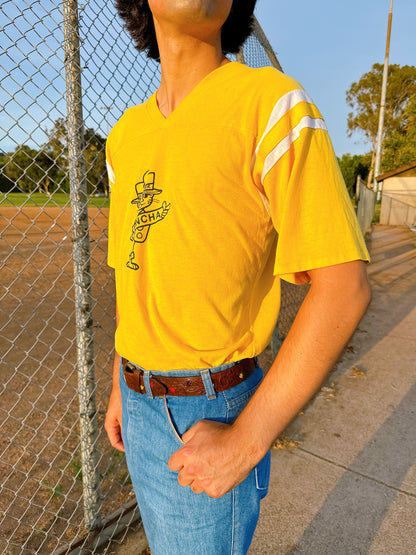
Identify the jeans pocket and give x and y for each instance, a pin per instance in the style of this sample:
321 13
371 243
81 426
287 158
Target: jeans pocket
237 397
262 475
172 424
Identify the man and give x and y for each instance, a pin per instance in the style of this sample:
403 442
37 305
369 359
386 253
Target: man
223 183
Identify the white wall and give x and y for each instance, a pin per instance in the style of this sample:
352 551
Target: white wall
398 203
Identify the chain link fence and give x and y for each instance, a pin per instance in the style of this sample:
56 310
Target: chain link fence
366 199
398 208
67 73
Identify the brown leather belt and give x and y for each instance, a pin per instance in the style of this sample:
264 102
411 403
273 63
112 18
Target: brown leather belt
192 385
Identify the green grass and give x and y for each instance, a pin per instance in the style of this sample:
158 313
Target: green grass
76 467
42 199
56 492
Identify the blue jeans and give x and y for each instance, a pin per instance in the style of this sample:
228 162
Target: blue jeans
176 520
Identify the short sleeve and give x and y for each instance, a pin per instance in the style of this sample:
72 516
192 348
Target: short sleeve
297 173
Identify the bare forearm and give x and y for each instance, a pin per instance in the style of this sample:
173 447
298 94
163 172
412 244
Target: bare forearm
116 370
113 419
325 322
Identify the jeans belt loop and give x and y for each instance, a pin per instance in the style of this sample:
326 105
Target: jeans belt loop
147 385
209 386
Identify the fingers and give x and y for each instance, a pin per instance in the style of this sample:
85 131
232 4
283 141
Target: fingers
184 480
185 477
191 481
175 461
197 461
115 437
197 489
209 489
179 458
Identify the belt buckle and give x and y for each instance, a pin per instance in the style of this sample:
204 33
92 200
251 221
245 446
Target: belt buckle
132 376
128 367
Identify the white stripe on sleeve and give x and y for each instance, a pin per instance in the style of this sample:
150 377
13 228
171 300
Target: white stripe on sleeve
111 176
283 105
279 150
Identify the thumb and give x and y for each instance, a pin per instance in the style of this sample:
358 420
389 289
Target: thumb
187 436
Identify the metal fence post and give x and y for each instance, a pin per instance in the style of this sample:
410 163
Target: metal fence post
240 56
264 41
82 271
44 506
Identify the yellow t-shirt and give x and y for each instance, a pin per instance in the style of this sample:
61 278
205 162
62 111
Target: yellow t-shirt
210 207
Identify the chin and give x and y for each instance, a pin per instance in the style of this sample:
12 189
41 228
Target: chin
191 11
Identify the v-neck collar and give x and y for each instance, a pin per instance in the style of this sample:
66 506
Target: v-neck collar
153 107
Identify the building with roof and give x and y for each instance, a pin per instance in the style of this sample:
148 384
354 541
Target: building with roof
398 203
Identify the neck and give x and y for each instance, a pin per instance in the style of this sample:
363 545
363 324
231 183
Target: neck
185 61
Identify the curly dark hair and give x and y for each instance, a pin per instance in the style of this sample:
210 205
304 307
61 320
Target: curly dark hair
138 21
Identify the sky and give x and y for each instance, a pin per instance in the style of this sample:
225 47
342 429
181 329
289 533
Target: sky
326 45
329 44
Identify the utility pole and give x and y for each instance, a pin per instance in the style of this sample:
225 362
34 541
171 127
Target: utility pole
383 100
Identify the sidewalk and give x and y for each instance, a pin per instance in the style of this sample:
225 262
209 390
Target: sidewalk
346 483
349 488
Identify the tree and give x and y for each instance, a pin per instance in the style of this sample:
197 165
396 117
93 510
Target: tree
400 148
95 166
364 98
56 148
32 170
24 168
352 166
28 170
97 180
6 184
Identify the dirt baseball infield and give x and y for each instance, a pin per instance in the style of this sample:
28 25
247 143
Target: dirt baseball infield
40 456
39 442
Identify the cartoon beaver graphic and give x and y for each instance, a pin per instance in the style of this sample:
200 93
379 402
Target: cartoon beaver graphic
146 192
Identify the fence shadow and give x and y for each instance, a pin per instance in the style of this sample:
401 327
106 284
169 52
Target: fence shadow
354 510
360 502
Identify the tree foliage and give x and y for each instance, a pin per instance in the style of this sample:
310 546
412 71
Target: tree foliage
28 169
400 148
364 99
97 181
5 183
353 166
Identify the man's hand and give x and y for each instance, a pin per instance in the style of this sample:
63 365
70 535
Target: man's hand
113 420
212 460
216 457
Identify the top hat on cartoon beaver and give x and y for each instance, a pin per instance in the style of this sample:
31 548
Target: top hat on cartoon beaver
147 186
